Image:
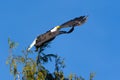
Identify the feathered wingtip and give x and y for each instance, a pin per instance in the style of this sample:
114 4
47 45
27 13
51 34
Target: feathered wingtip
75 22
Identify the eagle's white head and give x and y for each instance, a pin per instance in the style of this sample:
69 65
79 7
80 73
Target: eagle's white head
55 29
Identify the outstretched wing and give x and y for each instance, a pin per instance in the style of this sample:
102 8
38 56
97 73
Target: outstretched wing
42 39
74 22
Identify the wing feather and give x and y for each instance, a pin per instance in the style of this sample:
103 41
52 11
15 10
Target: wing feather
74 22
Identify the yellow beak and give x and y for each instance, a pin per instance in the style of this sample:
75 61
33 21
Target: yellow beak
58 27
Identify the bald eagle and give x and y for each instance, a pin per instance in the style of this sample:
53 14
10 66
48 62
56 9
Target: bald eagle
50 35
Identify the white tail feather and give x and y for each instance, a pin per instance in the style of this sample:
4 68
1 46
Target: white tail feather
33 43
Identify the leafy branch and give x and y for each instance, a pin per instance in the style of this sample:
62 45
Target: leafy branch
33 67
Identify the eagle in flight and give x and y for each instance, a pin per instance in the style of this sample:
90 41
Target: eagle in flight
50 35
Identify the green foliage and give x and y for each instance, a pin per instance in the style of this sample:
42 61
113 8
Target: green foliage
12 44
92 75
33 69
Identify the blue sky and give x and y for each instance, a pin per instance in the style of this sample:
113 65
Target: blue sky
93 47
